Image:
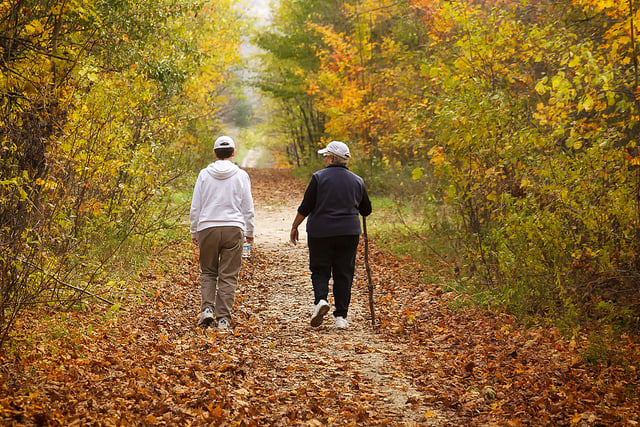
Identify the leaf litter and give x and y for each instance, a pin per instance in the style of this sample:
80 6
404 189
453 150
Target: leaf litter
424 364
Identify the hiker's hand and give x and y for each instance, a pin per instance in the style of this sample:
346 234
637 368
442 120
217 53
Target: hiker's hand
293 237
249 240
194 240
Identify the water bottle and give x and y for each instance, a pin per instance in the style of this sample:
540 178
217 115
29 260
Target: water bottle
246 250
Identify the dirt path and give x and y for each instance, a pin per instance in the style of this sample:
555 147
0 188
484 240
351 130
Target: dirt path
354 365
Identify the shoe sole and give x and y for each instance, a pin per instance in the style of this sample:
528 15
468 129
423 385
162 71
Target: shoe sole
205 323
317 319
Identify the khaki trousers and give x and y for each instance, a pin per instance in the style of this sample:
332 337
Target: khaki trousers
220 260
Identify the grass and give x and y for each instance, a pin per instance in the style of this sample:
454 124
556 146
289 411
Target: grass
415 228
409 228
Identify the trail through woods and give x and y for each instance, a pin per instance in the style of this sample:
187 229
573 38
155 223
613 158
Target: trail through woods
424 364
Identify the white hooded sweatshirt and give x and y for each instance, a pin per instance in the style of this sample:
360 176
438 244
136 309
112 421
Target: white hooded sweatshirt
222 197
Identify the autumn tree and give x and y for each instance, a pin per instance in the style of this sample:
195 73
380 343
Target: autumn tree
102 103
289 66
520 119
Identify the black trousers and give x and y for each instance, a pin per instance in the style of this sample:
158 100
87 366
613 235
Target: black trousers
333 256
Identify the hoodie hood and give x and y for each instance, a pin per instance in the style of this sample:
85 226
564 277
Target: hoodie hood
222 169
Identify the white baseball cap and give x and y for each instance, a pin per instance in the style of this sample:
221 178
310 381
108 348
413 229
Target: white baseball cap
224 142
338 148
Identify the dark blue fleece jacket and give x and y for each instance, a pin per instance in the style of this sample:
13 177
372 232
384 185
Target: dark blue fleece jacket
333 199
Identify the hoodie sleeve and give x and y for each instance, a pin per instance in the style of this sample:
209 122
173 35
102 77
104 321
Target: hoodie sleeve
194 213
247 208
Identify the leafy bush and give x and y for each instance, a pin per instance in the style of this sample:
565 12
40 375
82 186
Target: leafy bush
103 105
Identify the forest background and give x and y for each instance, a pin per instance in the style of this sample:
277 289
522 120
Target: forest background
498 137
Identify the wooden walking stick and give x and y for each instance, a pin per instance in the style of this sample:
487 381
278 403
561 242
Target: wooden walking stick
366 264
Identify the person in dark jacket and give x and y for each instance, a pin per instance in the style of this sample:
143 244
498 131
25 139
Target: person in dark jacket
332 203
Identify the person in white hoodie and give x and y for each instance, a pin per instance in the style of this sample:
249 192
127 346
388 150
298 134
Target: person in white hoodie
221 219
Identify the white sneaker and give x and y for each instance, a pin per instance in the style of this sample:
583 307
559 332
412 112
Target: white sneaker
223 325
341 322
318 312
206 317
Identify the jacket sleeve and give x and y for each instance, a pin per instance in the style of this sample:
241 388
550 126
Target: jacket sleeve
365 204
194 213
310 197
247 208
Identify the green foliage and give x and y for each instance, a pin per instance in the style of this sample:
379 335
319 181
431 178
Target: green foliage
602 349
408 227
518 120
103 105
288 66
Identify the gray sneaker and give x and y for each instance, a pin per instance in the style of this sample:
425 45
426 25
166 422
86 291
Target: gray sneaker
223 325
206 317
319 311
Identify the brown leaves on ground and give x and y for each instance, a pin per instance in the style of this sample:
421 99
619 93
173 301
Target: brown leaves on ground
149 363
489 370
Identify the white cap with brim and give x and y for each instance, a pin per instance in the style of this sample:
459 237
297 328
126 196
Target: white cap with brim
338 148
224 142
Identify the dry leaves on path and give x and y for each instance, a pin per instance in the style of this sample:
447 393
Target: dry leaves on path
424 364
